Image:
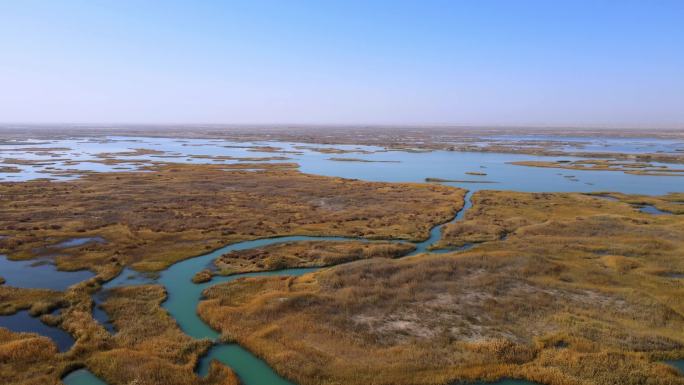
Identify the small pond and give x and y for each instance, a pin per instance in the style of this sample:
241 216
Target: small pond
37 275
23 322
82 377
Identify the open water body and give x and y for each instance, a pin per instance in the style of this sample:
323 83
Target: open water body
380 165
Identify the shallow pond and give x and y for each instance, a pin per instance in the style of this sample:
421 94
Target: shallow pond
82 377
39 274
648 209
23 322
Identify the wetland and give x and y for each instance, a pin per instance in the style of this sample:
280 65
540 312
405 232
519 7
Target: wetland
229 259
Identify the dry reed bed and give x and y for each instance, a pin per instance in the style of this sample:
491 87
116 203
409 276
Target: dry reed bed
576 294
155 217
306 254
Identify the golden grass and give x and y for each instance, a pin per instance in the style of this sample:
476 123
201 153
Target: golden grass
37 301
576 294
148 348
155 217
307 254
672 203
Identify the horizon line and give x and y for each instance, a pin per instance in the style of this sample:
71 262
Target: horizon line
118 125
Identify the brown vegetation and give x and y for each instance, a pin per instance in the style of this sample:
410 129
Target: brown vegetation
576 294
202 276
307 254
671 203
165 213
37 301
9 169
151 218
148 348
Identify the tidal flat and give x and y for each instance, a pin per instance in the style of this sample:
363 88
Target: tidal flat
226 259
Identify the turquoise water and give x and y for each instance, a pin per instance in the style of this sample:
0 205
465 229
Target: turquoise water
82 377
183 295
436 232
249 368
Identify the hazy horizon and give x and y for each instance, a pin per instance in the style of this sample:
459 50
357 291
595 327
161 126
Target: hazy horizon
529 64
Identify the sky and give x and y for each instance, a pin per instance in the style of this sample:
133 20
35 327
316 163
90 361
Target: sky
598 63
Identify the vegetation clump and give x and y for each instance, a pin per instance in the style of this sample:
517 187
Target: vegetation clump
307 254
202 276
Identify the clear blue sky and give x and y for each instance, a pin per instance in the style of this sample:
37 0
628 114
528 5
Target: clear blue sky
481 62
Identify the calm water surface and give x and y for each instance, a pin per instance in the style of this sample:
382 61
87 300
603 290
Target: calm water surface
410 167
39 275
23 322
82 377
